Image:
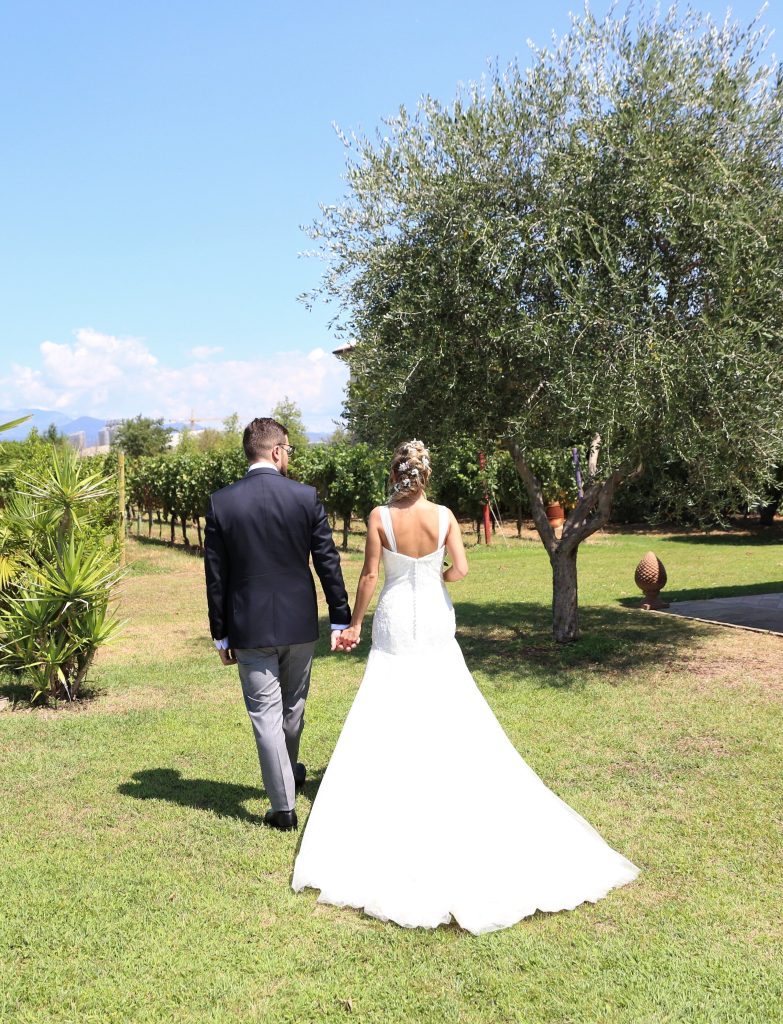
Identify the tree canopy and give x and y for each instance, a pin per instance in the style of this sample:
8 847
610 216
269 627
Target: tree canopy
588 254
142 436
289 414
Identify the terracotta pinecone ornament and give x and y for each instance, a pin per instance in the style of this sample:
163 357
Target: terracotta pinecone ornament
650 577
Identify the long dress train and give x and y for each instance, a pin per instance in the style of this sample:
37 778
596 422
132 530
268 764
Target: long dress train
426 810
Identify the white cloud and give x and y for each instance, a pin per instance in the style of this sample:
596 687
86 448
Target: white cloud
202 352
104 375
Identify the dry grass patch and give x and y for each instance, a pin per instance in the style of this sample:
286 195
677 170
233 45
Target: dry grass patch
163 615
734 658
705 745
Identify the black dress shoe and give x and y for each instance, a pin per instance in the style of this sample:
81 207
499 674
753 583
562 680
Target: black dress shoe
300 776
283 821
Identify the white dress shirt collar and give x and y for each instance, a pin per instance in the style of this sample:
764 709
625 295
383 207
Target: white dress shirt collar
265 463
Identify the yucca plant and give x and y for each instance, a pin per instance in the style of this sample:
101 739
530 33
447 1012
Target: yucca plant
58 567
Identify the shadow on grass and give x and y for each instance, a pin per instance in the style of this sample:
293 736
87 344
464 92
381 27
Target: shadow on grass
738 535
162 542
226 799
355 543
705 593
516 638
20 694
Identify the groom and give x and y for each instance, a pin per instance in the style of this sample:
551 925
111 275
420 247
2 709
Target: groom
263 614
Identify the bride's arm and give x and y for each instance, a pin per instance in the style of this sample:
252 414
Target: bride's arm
458 569
368 580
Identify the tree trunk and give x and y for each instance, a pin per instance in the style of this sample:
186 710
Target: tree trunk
565 603
520 520
185 531
173 524
198 531
82 672
589 514
346 531
149 524
56 688
767 513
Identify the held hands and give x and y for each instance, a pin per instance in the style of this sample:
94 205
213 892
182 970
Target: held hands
227 656
346 639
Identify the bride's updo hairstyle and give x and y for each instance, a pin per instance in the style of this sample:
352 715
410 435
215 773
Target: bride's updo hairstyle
410 470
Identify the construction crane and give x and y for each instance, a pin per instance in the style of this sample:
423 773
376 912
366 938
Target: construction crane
192 420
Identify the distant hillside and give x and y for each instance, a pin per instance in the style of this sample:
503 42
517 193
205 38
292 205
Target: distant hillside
42 418
88 424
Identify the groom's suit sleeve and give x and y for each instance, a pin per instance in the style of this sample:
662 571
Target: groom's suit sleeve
327 564
216 566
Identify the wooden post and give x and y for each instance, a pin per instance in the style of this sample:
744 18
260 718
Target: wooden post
121 489
487 523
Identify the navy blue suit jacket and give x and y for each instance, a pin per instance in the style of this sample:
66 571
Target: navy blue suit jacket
260 534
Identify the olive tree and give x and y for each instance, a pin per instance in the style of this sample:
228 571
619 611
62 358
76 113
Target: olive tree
587 254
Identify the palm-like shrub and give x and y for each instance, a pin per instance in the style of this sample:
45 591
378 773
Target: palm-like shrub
58 566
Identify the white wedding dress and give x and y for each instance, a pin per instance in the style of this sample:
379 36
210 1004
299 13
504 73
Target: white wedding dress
426 810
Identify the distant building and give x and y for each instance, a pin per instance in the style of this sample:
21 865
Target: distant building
110 428
343 354
77 440
343 350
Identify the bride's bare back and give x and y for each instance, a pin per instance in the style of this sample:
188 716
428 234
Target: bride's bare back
415 528
419 528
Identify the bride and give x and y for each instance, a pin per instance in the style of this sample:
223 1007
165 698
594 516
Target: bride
426 811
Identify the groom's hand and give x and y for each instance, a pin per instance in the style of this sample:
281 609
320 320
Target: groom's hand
348 639
227 657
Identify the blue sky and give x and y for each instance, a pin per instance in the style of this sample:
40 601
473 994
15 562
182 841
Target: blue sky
158 159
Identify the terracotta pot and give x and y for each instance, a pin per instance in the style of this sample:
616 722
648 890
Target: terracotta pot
555 514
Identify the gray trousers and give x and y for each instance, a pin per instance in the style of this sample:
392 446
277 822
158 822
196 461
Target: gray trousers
275 681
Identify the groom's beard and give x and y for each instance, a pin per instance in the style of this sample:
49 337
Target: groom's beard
283 472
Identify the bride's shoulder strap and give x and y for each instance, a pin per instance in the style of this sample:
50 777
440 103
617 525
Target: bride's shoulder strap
388 529
443 524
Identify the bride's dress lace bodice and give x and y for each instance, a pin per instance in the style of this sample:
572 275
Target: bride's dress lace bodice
414 610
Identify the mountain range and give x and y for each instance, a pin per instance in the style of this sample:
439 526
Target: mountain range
41 420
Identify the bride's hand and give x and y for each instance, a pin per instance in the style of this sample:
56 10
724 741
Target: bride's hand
349 638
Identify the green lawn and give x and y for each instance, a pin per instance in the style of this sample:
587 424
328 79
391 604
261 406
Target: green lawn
137 884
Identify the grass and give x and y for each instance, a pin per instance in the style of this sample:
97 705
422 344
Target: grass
138 885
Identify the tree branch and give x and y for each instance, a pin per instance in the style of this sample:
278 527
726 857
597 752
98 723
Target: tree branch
592 461
533 488
592 512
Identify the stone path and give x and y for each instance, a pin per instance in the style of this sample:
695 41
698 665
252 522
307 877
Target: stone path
756 611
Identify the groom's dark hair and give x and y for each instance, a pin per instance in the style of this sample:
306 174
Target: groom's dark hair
260 437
